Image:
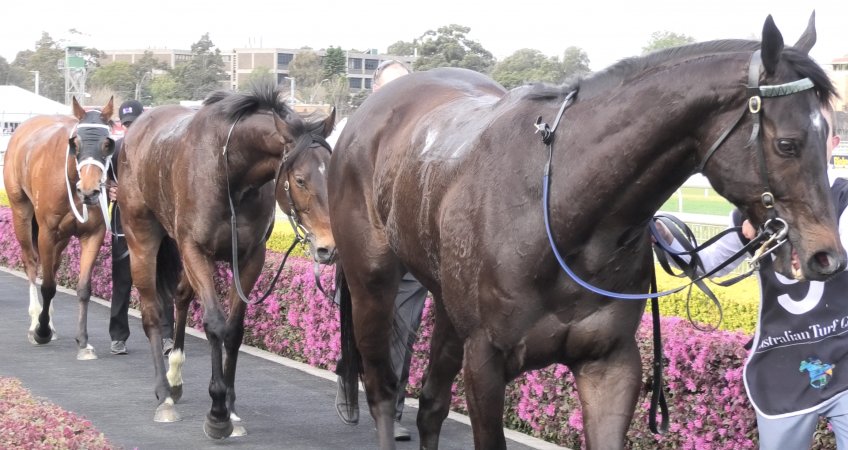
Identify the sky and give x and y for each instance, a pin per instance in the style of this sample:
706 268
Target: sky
606 30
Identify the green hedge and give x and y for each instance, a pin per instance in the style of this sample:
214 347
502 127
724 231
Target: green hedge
738 302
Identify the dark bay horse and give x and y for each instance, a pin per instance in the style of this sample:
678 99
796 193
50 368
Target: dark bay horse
441 173
46 156
181 172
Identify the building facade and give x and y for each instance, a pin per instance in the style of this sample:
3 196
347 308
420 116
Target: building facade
241 62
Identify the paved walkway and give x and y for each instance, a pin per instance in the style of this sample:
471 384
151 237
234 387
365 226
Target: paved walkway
283 404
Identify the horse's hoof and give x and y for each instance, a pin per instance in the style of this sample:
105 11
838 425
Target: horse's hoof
37 339
86 354
238 431
177 392
166 412
217 430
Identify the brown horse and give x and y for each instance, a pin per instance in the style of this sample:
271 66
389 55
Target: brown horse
38 175
441 173
184 175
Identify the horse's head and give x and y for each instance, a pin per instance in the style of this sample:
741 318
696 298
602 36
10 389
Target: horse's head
775 167
302 188
91 145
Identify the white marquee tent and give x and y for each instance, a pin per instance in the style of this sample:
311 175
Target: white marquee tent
18 104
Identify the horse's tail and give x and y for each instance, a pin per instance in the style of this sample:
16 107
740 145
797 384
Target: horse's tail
169 268
34 232
351 367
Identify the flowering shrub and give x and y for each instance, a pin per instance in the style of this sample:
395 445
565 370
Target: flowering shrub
30 423
707 402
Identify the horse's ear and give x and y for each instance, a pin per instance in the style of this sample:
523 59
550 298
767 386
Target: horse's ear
772 45
808 38
108 110
79 112
329 123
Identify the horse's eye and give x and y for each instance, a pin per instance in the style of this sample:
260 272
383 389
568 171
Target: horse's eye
787 147
300 182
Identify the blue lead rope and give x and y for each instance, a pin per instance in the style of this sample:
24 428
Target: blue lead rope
577 279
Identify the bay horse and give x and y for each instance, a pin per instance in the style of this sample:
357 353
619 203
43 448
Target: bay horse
441 173
45 157
182 174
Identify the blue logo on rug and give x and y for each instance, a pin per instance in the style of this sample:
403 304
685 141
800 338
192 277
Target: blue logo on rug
820 373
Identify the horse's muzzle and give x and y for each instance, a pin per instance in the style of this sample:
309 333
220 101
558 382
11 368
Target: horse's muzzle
325 255
90 199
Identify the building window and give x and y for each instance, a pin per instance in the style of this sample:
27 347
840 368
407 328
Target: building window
355 83
368 83
371 64
355 63
283 59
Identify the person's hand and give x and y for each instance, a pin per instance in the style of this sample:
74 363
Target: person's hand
748 230
112 190
664 232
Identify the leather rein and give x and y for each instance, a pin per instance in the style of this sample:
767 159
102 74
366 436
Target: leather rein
301 234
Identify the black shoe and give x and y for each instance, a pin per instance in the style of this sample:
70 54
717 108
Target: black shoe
349 413
119 348
401 432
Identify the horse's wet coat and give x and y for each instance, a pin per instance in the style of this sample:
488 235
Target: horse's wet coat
440 173
180 169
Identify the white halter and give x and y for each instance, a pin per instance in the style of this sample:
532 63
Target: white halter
83 218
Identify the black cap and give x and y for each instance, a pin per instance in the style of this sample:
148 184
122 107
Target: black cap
129 111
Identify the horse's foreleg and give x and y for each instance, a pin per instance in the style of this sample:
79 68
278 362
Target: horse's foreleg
608 390
445 362
23 224
89 247
248 274
41 329
485 381
199 270
177 357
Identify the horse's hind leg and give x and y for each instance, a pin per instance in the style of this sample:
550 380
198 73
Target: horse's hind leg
89 248
608 390
485 379
373 295
176 359
445 362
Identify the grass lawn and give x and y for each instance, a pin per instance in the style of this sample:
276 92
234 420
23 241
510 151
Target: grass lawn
698 201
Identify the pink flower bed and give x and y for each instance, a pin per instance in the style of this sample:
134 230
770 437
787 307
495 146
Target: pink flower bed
706 397
26 422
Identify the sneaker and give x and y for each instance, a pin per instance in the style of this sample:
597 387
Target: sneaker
119 348
348 413
401 432
167 346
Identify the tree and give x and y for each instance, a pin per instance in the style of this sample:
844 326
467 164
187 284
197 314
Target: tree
666 39
120 77
164 90
575 62
257 75
203 73
335 63
527 65
306 69
12 75
449 47
45 59
401 48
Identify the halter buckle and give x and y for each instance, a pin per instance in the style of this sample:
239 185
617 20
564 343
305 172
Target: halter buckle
286 185
755 104
767 199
